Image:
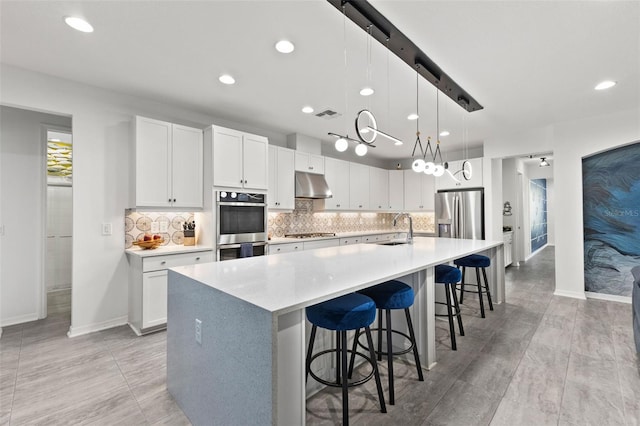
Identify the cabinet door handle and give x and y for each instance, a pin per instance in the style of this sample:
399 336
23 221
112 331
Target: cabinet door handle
245 181
163 262
169 200
197 258
174 200
360 206
310 167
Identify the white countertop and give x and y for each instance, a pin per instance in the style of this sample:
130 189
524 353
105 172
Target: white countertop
164 250
290 281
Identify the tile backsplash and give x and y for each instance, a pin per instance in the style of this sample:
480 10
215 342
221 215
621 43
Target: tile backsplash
303 219
136 224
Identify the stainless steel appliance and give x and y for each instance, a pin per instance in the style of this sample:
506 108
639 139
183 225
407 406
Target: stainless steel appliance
460 213
234 251
241 218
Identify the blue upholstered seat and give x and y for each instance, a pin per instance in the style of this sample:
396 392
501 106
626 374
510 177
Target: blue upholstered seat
348 312
447 274
473 261
390 295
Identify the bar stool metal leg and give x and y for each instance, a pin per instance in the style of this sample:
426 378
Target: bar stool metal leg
486 286
415 344
464 270
345 383
390 358
376 374
311 340
480 293
457 306
452 330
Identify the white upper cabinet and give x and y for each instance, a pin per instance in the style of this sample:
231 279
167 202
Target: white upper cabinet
337 175
310 163
281 178
169 164
419 191
358 186
378 189
453 177
240 160
396 190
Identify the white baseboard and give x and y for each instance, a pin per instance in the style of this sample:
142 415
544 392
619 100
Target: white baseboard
86 329
610 297
19 319
572 294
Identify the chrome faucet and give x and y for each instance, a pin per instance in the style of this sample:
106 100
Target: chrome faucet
410 234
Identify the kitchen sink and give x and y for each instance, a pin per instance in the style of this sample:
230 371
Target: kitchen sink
392 243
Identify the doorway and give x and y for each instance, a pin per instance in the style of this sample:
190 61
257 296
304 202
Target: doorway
23 211
59 222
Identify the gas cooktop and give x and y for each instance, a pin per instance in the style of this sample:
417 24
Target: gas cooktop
311 235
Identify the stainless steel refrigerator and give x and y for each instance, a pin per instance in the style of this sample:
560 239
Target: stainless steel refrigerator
460 213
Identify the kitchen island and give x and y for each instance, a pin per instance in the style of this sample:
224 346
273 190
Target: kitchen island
246 363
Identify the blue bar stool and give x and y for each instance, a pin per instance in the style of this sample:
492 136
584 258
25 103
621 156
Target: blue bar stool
387 296
479 262
350 312
449 276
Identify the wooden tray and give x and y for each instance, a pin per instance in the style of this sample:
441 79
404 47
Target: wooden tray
151 244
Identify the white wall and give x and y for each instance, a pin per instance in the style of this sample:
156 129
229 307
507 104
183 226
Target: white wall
101 140
22 182
569 142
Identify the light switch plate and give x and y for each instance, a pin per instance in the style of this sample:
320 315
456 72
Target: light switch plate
155 227
107 229
164 226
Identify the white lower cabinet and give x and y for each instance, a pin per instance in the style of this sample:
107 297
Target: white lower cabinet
148 287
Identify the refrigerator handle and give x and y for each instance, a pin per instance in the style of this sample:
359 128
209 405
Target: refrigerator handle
455 220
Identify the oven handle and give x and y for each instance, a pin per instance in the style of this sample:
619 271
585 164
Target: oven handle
230 203
228 246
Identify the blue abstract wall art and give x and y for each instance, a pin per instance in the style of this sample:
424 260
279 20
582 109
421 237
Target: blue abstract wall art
538 213
611 210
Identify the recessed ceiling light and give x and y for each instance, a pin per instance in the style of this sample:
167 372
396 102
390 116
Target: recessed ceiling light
307 110
54 140
607 84
367 91
285 46
412 117
444 133
227 79
78 24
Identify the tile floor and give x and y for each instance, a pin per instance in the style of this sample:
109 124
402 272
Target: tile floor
537 359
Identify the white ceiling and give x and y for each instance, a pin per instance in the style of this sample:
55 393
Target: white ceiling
529 63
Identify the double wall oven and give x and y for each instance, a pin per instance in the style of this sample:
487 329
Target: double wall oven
241 224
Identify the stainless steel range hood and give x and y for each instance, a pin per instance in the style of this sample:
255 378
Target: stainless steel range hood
309 185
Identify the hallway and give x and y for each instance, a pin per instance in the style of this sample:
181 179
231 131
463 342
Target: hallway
537 359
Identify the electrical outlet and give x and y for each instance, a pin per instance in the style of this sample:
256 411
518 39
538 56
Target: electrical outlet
155 227
107 229
198 331
164 226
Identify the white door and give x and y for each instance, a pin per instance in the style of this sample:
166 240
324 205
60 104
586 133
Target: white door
154 298
285 179
256 162
428 192
337 176
378 189
227 158
153 163
396 190
187 167
358 186
412 190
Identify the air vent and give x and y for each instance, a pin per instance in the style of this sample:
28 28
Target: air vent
328 114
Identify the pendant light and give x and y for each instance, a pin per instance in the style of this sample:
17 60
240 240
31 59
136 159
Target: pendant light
438 169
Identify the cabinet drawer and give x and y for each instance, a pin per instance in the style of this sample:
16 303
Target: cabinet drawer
310 245
157 263
285 248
